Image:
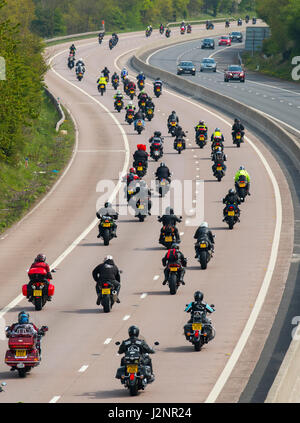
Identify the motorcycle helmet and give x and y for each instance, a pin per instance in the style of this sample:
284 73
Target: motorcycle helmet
162 164
217 130
107 204
173 112
242 168
132 170
201 122
106 258
171 210
157 133
40 258
231 191
130 103
119 92
176 246
23 317
133 331
204 225
198 296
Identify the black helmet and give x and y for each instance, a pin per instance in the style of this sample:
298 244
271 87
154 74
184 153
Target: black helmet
162 164
133 331
107 204
231 191
175 245
40 258
198 296
157 133
173 112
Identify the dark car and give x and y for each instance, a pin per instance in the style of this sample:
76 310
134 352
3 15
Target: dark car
186 67
208 43
234 73
236 36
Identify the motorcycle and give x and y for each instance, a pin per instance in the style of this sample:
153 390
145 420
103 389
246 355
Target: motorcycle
101 88
41 290
161 30
156 151
227 24
201 138
162 186
253 21
203 251
246 20
108 296
149 113
139 127
111 44
71 62
106 227
241 187
115 83
173 279
141 84
215 145
148 33
172 128
168 33
199 332
179 145
141 169
189 29
79 76
182 30
142 209
168 236
142 104
24 352
239 22
231 215
157 90
118 105
220 171
129 116
134 373
238 139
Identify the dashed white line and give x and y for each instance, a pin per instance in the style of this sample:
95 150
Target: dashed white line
144 295
126 317
156 277
107 340
55 399
83 368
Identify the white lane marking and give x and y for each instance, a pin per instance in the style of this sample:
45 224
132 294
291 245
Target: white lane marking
181 233
107 341
156 277
83 368
75 243
54 399
144 295
101 151
5 236
126 317
269 272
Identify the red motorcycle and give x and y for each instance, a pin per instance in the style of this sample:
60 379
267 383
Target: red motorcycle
42 289
24 350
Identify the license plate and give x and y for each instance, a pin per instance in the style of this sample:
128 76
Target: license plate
173 269
118 104
143 103
173 123
168 239
236 76
139 124
102 87
242 184
141 207
140 168
37 293
219 167
197 326
179 144
150 112
21 353
106 291
106 225
231 213
132 368
130 116
130 192
131 92
203 245
157 89
238 137
201 137
163 183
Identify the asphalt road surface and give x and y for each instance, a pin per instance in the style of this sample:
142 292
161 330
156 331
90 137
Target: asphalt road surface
79 353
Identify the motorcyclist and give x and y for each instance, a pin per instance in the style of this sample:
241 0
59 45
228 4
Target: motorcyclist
131 176
39 272
106 73
25 326
157 83
102 80
161 27
141 76
231 198
143 194
107 272
169 218
101 35
201 127
227 24
204 232
163 172
115 76
124 73
174 256
217 134
80 66
219 157
141 155
139 115
108 210
131 180
115 37
237 127
118 96
179 135
142 95
199 305
130 108
242 172
72 49
144 349
131 86
157 139
173 117
126 81
149 103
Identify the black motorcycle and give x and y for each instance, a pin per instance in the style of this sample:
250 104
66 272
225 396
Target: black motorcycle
203 251
241 187
200 331
162 186
174 279
106 228
238 139
115 83
231 215
156 151
168 33
219 172
172 128
201 137
108 296
149 113
179 145
167 236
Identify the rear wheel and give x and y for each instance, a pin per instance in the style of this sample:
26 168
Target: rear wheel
198 345
173 284
106 303
22 372
203 259
133 389
106 237
38 303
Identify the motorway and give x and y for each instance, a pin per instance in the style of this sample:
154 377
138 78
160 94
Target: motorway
79 355
279 99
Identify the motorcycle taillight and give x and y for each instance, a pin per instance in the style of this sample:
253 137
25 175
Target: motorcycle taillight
105 284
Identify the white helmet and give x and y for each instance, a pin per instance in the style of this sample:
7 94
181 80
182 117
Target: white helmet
107 258
204 225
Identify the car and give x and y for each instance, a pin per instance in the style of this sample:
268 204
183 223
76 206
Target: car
208 43
234 73
225 41
208 64
186 67
236 36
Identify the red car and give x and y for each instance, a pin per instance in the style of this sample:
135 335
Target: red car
234 73
225 41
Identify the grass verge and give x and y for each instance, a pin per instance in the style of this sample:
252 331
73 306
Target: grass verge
45 157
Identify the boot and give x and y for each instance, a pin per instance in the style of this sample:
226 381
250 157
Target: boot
164 282
98 300
98 236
